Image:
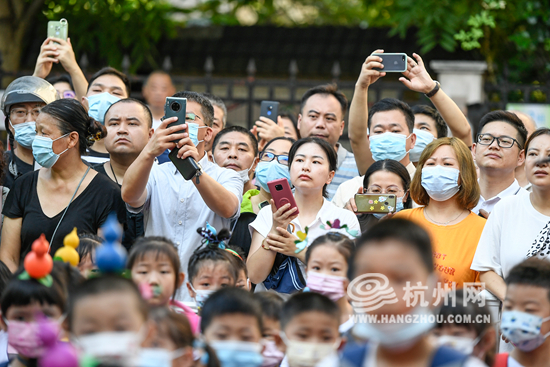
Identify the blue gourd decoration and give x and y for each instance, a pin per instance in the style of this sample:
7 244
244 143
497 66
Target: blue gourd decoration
111 256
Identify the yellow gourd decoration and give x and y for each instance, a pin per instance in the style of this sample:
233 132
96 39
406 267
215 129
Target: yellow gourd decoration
68 252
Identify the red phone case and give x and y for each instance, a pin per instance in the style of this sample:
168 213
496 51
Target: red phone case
283 195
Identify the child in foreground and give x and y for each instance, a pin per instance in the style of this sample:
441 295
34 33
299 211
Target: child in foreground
274 349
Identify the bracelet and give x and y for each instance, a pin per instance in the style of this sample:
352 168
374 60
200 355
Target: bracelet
265 246
432 93
198 174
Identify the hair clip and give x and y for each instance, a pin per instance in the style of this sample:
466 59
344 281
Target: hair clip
111 256
38 263
233 252
301 242
68 253
210 236
336 225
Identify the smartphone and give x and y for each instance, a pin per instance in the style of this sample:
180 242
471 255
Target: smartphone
58 29
375 203
393 63
282 194
270 109
187 167
175 106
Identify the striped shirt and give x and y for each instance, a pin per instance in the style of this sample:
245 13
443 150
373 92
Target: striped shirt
346 170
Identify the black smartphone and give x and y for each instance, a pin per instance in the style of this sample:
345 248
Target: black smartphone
187 167
270 109
175 106
393 63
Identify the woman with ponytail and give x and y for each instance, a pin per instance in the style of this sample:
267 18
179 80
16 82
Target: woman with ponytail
65 193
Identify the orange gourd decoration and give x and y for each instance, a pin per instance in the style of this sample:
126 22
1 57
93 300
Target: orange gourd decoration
38 263
68 252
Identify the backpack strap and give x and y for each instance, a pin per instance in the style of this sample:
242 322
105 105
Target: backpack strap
501 360
445 356
354 356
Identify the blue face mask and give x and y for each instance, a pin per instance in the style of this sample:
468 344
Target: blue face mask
193 131
234 353
42 150
269 171
398 207
388 146
423 138
98 105
441 183
24 133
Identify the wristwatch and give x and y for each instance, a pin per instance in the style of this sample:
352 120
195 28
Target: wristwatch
432 93
198 173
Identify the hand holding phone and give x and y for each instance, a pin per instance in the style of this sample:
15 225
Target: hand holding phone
58 29
176 107
282 194
270 110
393 63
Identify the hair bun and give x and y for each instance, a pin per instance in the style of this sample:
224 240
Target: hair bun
96 131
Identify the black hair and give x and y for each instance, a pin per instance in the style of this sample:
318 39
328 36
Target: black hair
406 232
391 104
332 158
531 272
217 101
343 244
177 325
88 243
508 117
539 132
146 110
239 258
111 71
156 245
72 277
459 304
292 119
104 285
271 304
20 292
5 276
63 78
238 129
292 141
227 301
440 124
395 167
300 303
326 89
72 116
206 107
210 253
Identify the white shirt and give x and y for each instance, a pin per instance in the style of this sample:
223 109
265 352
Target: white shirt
156 123
511 229
175 209
328 212
489 204
513 363
349 188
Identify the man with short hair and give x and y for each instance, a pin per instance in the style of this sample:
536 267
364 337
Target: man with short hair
322 111
531 126
220 118
157 87
173 207
498 151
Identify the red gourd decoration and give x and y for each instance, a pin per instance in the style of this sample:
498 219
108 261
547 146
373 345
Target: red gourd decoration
38 263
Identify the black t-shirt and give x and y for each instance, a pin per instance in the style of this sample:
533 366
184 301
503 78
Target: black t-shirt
14 165
93 153
87 212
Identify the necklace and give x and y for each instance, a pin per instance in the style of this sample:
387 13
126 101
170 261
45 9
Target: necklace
113 172
442 223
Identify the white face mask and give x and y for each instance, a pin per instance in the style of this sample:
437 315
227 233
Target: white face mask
307 354
201 295
460 343
157 357
109 346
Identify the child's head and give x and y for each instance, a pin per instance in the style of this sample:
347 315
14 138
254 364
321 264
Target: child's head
271 304
327 265
106 304
239 258
86 252
466 326
154 261
526 311
171 333
232 314
210 268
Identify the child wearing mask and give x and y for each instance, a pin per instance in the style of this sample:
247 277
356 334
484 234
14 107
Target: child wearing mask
108 319
274 349
155 267
525 316
391 256
476 337
327 269
232 324
210 268
309 323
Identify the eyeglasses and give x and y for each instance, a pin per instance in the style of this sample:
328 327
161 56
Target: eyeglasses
22 113
391 190
502 141
268 157
191 117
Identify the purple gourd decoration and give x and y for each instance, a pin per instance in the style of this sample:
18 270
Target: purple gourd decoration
57 353
111 256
